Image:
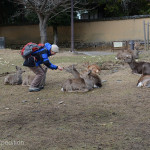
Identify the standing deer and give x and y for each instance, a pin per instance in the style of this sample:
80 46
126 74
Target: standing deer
29 78
14 79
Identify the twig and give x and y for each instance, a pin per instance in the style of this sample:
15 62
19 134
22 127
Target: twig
5 73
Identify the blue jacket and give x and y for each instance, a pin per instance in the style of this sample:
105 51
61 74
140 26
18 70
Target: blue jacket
42 56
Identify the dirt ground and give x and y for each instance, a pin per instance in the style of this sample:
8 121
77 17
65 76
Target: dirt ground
113 117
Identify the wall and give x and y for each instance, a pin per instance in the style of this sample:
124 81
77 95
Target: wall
86 33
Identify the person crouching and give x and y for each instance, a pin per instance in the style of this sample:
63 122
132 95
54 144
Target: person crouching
41 57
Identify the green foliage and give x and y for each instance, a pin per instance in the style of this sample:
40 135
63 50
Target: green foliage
115 8
12 13
140 7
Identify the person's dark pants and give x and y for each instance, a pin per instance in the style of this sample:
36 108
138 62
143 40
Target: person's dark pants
39 77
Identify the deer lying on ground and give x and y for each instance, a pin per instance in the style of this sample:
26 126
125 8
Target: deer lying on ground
121 55
29 78
138 67
86 74
94 68
94 78
146 69
76 84
127 53
16 78
79 84
144 81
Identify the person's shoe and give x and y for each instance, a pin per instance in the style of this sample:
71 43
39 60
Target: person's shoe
41 87
34 89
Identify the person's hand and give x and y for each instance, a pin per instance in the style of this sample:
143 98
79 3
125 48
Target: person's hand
60 68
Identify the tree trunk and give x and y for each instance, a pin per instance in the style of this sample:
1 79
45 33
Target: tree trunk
43 28
55 35
43 32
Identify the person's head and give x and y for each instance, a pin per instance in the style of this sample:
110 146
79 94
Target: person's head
54 49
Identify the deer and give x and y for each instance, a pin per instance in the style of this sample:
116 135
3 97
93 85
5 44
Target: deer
127 53
94 68
144 81
138 67
89 76
146 68
88 73
75 85
29 78
78 84
15 78
71 69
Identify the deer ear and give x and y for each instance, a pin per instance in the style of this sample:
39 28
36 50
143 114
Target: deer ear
16 67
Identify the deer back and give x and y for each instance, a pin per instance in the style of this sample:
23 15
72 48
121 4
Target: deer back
15 78
92 80
94 68
74 85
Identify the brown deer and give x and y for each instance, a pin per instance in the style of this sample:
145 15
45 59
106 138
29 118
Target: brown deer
29 78
89 76
86 75
94 68
80 83
16 78
71 69
138 67
76 84
127 53
144 81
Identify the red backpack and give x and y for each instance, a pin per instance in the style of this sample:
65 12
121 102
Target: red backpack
29 48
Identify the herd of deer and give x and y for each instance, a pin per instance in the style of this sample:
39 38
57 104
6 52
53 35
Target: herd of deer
141 67
83 82
88 79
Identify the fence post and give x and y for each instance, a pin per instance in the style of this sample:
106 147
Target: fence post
148 36
2 42
145 45
72 27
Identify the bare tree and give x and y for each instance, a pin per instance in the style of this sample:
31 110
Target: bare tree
45 9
